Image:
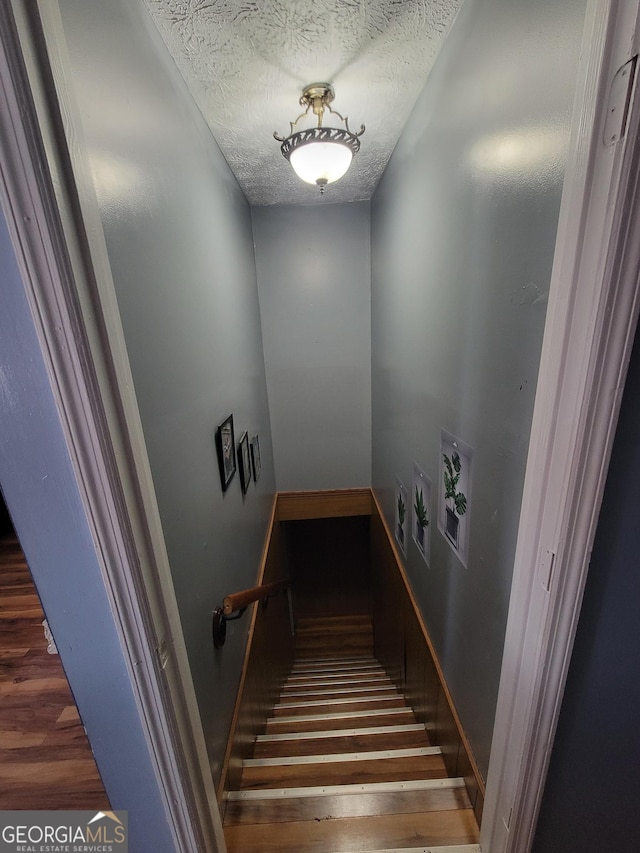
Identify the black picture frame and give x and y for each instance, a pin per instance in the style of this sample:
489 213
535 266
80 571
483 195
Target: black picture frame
226 447
244 462
256 463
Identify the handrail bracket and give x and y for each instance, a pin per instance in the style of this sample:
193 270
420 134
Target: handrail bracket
237 604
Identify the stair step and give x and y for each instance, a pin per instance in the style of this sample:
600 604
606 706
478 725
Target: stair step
390 831
356 788
329 693
342 756
330 623
353 671
358 772
335 665
343 764
342 805
447 848
337 661
341 740
309 722
335 637
348 703
332 680
348 643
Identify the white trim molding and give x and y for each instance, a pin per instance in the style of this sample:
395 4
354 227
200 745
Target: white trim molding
65 277
591 322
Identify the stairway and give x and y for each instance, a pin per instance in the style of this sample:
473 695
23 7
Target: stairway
343 764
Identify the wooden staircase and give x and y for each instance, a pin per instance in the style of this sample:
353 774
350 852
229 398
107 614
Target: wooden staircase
343 764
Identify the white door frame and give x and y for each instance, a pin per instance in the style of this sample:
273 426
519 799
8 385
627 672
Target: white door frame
592 316
591 322
67 281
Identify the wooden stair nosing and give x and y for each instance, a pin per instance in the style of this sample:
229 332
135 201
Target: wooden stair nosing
333 733
336 672
319 669
347 700
335 629
339 660
354 691
332 757
312 718
353 741
327 681
357 788
305 622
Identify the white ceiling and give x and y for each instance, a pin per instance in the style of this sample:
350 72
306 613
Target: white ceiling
247 61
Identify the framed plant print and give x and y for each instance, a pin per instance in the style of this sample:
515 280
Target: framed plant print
244 460
256 463
421 506
402 502
226 447
454 505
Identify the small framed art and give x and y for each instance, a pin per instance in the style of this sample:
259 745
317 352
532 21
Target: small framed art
454 504
244 459
256 463
421 524
225 445
402 501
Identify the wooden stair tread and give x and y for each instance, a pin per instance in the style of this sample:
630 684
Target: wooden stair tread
343 763
350 671
340 742
328 692
338 636
325 678
354 719
336 662
348 772
343 705
338 686
306 623
373 832
346 805
351 643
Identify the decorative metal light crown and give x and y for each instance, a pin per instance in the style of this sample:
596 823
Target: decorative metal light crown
320 155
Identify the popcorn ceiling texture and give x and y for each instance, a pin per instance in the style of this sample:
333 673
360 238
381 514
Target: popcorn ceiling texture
247 61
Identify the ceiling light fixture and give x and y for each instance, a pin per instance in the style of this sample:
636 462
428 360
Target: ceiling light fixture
320 155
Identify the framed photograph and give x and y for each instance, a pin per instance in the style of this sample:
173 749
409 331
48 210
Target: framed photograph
454 505
244 460
402 503
226 447
421 512
255 457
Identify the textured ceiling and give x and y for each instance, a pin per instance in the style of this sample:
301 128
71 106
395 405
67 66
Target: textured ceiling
247 61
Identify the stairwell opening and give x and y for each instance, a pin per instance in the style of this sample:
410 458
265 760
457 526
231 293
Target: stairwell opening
358 747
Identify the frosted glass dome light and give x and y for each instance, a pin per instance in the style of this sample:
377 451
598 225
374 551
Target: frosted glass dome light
320 155
318 162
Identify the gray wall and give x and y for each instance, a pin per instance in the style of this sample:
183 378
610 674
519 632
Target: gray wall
41 492
178 233
591 795
314 271
463 231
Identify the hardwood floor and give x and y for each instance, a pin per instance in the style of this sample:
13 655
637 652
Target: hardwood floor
45 758
343 764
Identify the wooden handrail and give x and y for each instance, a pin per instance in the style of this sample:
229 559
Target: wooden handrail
240 600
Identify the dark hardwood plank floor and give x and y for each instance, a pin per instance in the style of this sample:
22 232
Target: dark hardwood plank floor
45 758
